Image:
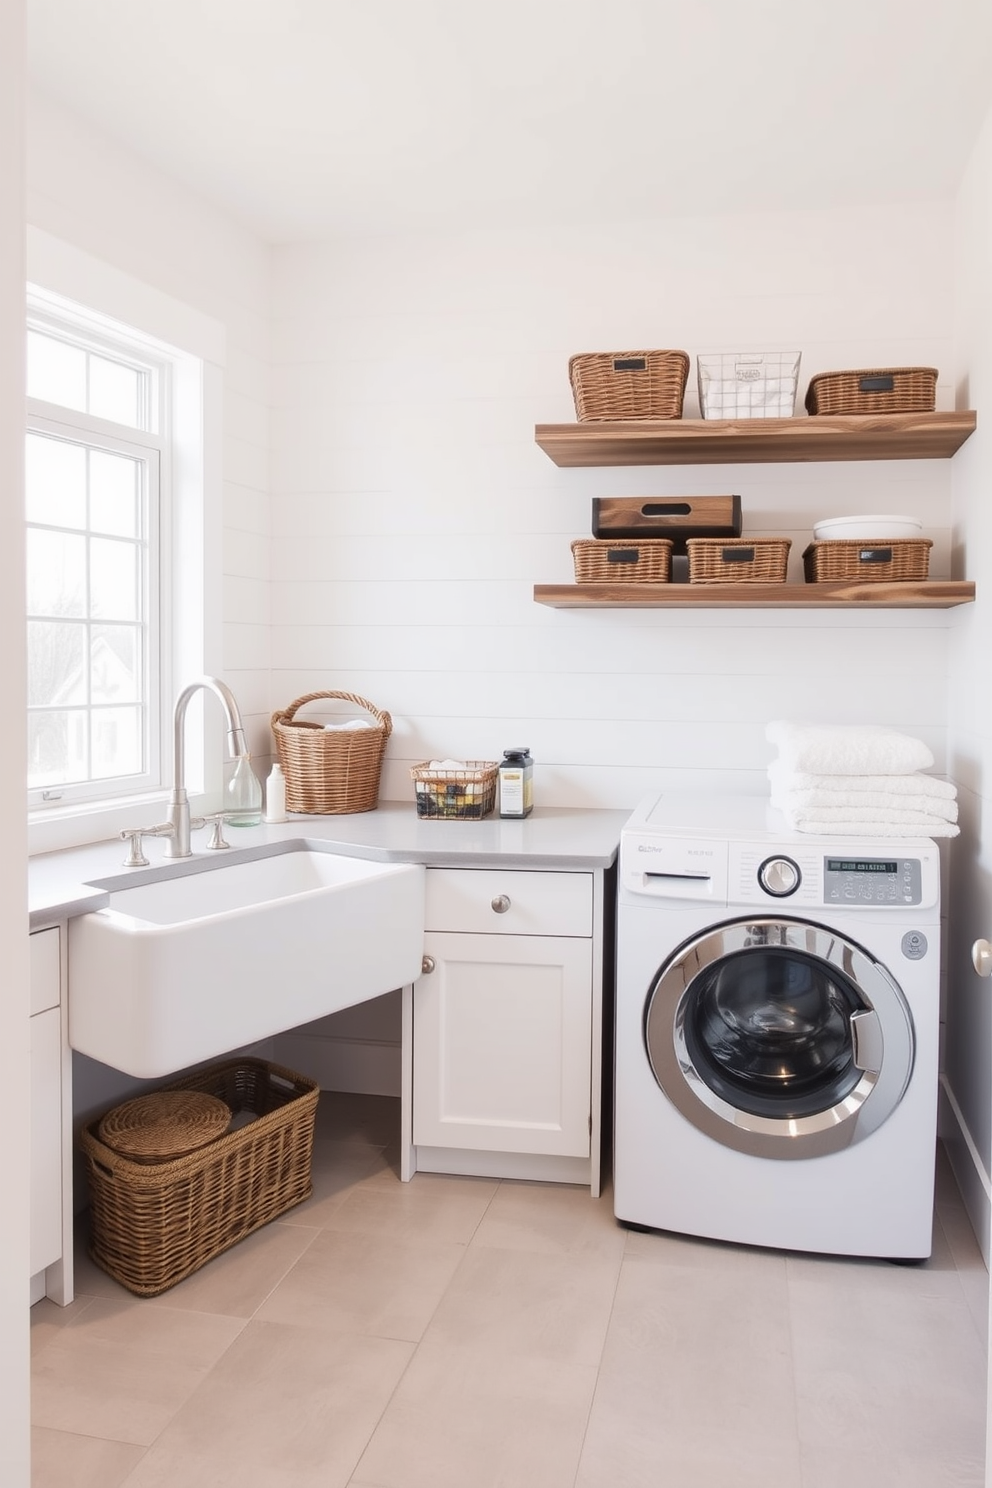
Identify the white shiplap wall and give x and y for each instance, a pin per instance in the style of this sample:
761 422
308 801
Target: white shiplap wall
413 512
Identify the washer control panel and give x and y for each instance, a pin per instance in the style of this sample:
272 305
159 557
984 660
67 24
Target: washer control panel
794 875
872 881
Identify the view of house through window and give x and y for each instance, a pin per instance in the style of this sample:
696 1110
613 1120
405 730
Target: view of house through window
93 503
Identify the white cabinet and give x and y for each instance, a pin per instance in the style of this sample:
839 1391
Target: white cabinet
51 1205
505 1026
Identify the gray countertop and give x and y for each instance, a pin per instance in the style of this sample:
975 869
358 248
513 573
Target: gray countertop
72 882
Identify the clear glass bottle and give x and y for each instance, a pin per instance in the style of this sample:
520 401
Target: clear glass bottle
242 794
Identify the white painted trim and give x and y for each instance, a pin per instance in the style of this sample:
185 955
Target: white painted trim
360 1066
535 1167
969 1171
195 345
66 270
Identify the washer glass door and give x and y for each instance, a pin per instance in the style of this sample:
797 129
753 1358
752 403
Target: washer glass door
779 1037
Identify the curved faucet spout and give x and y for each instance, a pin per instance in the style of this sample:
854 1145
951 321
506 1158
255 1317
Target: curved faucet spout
178 845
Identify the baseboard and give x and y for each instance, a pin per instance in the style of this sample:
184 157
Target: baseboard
968 1168
360 1066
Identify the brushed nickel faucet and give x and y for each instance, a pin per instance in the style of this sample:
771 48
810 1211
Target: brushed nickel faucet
178 823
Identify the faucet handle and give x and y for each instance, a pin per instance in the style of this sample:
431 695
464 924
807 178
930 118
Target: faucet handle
133 835
217 838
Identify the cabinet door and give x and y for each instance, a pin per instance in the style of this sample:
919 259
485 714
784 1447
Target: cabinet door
46 1140
502 1044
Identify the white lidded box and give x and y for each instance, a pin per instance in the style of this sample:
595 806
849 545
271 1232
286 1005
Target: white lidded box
872 528
747 384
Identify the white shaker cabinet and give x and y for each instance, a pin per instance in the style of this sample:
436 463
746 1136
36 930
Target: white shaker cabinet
51 1209
505 1026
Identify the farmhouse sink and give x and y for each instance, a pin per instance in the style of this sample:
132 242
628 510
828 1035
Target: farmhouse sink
207 960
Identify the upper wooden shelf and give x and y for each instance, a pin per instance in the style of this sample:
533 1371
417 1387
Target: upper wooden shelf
932 594
890 436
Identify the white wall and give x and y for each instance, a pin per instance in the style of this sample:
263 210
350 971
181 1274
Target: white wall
86 190
413 512
968 1078
15 1270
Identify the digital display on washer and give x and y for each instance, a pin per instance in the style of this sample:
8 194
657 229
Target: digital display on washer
872 881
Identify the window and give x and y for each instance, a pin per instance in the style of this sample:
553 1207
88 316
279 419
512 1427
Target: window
97 545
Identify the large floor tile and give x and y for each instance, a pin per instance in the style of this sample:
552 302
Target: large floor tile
471 1418
237 1282
60 1459
338 1169
887 1364
285 1406
431 1206
48 1320
369 1284
551 1219
122 1370
528 1306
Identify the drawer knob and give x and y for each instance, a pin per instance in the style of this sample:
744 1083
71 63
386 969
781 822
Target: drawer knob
501 903
427 965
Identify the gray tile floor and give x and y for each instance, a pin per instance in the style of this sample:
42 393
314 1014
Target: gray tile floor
468 1333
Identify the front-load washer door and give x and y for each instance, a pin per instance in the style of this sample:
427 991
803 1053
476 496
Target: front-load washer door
779 1037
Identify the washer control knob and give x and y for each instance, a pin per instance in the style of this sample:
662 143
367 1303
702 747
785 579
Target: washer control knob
779 876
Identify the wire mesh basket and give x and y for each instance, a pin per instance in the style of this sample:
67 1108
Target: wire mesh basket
747 384
465 794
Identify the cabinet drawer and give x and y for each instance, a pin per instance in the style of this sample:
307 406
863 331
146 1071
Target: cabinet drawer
496 901
44 970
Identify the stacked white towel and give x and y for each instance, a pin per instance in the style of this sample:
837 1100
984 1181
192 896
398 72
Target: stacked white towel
858 782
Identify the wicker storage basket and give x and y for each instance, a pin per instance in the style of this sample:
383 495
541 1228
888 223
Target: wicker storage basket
628 384
747 384
330 771
602 561
869 562
154 1223
873 390
739 560
455 795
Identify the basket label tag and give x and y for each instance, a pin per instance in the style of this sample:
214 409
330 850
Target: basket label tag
747 372
875 555
630 364
738 555
623 555
882 384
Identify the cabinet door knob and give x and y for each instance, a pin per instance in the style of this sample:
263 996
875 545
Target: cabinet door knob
427 965
501 903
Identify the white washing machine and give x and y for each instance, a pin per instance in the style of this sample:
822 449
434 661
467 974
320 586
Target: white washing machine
777 1011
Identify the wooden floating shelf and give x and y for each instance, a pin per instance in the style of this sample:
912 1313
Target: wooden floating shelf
930 594
890 436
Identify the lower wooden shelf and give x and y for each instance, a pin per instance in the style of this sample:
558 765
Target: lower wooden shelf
930 594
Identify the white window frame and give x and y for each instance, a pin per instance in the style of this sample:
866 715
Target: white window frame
46 420
102 300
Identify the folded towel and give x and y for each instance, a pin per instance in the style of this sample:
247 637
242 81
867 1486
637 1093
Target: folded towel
915 784
866 805
796 815
353 723
847 749
935 828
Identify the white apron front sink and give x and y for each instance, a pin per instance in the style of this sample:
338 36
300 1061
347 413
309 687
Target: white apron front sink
194 965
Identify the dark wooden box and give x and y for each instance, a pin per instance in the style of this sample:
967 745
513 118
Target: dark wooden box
674 517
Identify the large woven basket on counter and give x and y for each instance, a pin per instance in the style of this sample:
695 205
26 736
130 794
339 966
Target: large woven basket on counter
901 560
330 771
156 1222
873 390
738 560
628 384
604 561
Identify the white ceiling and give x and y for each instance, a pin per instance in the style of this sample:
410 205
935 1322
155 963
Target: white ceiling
308 118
